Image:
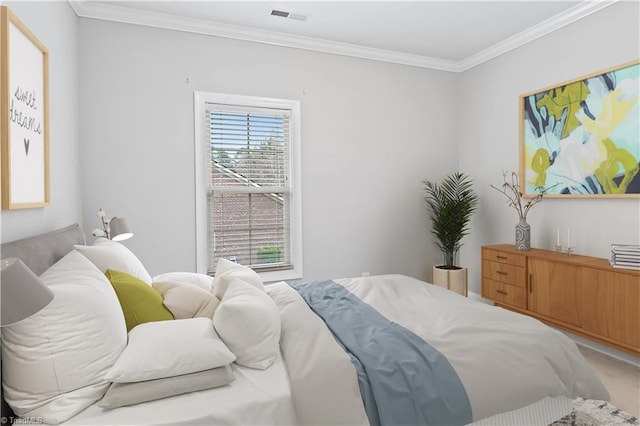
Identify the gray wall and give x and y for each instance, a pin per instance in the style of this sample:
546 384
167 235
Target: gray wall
122 139
56 25
371 132
489 137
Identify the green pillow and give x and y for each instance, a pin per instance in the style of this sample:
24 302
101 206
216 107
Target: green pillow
139 301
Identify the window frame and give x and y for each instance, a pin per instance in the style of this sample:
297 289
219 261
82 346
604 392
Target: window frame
200 174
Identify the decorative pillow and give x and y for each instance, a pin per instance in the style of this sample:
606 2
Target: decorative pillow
203 281
107 254
121 394
248 321
54 362
187 300
140 303
227 271
170 348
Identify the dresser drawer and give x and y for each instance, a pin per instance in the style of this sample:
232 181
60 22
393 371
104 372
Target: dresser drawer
504 273
503 257
504 293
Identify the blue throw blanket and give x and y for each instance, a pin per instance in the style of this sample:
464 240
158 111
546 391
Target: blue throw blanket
403 380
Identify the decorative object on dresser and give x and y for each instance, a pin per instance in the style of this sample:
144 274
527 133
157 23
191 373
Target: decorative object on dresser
511 189
24 106
581 294
115 229
625 256
559 247
451 205
581 136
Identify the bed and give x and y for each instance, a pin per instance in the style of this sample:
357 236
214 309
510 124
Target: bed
483 364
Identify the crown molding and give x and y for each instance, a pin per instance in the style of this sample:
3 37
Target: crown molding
543 28
109 12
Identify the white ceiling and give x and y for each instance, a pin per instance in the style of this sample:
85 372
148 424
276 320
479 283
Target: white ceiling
448 35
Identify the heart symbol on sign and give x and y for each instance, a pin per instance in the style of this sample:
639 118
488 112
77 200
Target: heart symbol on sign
26 146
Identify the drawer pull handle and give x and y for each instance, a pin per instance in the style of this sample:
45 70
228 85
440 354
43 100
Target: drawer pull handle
501 292
502 273
502 257
530 283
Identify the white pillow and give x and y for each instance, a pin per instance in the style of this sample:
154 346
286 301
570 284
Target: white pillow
186 300
107 254
227 271
121 394
248 321
54 363
203 281
170 348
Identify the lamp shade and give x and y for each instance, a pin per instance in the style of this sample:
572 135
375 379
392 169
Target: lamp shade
22 293
119 229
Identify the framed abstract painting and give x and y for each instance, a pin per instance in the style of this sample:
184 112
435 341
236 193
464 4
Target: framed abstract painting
24 105
581 138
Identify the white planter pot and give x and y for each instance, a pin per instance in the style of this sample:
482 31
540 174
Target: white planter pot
452 279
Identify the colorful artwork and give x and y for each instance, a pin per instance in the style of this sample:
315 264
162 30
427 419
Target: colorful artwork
582 138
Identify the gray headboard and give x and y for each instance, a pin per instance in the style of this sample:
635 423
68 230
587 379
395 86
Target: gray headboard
41 251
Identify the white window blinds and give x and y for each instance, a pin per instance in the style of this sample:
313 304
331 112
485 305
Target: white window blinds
249 190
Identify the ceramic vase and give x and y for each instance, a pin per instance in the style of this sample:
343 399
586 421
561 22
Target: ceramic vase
523 235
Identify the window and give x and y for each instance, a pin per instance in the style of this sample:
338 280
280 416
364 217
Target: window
247 181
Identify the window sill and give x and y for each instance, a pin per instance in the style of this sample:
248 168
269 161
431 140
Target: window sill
275 276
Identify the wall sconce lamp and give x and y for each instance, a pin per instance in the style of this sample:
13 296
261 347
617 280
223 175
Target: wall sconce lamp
23 294
115 229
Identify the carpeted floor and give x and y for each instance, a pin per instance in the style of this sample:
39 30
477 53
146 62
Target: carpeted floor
621 379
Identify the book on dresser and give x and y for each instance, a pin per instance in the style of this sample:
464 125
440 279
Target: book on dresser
625 256
626 247
626 265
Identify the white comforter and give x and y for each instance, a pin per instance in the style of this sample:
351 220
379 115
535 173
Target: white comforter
505 360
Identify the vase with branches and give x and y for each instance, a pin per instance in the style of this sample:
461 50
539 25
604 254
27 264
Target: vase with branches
511 189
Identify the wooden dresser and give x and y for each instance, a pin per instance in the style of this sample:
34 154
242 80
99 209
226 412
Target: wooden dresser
581 294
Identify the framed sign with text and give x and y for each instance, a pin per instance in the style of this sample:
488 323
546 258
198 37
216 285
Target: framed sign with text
24 105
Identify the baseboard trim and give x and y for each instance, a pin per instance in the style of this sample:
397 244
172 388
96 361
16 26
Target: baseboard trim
605 350
475 296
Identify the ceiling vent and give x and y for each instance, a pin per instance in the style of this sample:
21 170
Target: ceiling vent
280 13
284 14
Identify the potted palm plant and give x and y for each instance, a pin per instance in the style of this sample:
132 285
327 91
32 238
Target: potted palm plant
451 205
